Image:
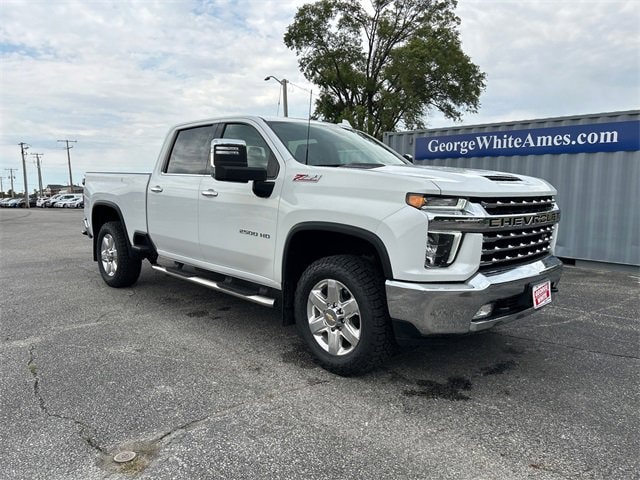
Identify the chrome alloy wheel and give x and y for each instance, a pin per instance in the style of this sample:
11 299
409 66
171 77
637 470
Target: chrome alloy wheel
334 317
109 255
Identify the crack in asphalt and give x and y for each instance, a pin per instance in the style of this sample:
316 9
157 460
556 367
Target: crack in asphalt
86 432
269 397
572 347
31 341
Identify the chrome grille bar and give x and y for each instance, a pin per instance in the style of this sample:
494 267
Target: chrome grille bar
497 206
517 234
519 258
509 247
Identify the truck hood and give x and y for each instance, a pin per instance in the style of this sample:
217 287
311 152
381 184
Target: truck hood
472 182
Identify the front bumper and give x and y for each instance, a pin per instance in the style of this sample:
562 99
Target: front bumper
449 308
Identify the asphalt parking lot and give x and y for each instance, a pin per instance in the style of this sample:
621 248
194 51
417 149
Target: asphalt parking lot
201 385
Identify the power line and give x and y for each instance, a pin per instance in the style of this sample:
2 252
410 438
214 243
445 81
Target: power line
69 159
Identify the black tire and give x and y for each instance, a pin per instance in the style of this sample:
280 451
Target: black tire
117 267
350 278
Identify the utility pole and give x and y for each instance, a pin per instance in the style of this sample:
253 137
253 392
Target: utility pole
23 148
69 159
12 178
1 187
38 155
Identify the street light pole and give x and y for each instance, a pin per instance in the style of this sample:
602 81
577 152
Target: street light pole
24 147
282 82
69 160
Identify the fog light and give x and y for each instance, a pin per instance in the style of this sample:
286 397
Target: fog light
485 311
441 248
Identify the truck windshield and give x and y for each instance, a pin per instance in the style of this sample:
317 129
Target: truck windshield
334 146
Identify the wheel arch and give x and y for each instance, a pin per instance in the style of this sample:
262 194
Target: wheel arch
105 211
309 241
101 213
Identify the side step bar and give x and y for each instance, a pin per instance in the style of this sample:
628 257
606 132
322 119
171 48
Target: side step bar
217 286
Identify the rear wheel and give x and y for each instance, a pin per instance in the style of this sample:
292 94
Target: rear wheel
342 315
117 267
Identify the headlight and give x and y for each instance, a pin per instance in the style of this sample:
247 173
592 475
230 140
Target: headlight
435 203
441 248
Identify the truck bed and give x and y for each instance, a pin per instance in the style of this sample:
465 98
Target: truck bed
125 191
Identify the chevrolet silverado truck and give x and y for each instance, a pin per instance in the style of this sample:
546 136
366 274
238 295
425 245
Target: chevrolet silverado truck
355 244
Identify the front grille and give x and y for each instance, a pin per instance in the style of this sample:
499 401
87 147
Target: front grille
510 247
515 205
515 230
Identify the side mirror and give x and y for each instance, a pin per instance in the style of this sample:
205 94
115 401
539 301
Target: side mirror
229 161
408 156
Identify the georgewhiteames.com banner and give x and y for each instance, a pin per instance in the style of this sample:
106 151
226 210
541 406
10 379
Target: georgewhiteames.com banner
600 137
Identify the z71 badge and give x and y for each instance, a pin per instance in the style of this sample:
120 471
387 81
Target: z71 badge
301 177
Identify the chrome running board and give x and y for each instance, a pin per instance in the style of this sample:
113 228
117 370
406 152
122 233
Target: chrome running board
217 286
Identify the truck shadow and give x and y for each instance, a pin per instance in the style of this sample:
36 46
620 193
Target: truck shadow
436 368
447 368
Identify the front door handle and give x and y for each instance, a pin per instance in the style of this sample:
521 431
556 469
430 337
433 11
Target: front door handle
156 189
209 193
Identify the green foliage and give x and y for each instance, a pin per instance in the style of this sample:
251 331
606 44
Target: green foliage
386 63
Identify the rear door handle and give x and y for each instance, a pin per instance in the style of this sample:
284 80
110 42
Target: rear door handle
156 189
209 193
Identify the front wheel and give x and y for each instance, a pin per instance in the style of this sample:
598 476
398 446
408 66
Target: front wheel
341 313
117 267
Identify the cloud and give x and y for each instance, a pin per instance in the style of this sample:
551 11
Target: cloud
548 58
116 75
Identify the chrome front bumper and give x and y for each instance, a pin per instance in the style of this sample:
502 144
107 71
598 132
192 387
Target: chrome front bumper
449 308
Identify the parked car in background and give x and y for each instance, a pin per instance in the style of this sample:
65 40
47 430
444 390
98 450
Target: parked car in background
32 202
47 203
72 201
40 201
75 203
13 202
58 198
5 202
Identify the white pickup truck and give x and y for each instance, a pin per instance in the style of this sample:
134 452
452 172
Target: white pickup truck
355 244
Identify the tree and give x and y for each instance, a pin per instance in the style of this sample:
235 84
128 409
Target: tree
386 64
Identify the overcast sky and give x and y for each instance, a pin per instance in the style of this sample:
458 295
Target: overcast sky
116 75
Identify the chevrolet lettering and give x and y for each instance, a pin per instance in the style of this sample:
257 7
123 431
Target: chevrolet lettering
542 219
